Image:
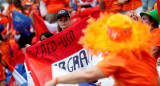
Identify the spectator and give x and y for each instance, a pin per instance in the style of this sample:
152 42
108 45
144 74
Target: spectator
45 35
133 5
110 6
133 15
152 19
2 73
53 6
12 6
63 20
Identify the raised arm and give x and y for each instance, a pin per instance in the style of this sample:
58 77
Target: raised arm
78 77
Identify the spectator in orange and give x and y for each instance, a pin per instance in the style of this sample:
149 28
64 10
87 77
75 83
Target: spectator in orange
110 6
152 19
53 6
129 61
2 73
28 6
133 5
15 5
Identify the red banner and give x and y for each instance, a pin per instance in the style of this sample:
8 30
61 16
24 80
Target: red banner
61 45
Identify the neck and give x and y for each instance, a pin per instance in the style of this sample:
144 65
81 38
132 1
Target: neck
152 28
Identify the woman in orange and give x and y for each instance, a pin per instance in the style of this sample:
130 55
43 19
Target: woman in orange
129 60
111 6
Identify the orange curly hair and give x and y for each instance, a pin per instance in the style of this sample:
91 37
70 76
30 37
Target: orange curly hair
116 33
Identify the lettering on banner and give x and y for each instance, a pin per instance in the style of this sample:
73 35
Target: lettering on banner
52 46
80 60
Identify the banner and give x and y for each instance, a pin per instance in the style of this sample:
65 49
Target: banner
61 50
61 45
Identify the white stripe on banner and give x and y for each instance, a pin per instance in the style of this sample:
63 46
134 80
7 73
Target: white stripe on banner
59 72
78 61
18 78
29 77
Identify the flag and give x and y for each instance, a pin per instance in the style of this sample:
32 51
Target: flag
61 50
21 23
15 76
40 26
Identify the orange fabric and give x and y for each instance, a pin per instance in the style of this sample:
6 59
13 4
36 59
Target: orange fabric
3 20
112 6
53 6
5 48
132 5
2 73
156 37
131 70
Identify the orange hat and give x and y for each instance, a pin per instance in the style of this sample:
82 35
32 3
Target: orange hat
3 20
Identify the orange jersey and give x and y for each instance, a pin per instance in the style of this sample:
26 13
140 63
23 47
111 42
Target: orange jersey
112 6
5 48
132 5
130 70
53 6
156 37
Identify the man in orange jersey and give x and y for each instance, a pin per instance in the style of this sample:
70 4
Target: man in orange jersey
129 60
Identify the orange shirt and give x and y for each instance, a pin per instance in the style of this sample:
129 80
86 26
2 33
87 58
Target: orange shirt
130 71
53 6
11 8
5 49
156 37
132 5
112 6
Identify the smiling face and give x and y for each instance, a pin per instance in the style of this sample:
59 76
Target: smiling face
64 22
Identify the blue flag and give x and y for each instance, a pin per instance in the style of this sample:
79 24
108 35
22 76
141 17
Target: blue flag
1 28
21 23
